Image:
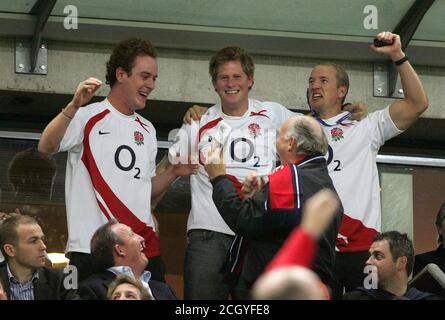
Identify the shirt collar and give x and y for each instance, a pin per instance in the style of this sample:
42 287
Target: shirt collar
305 159
340 118
145 276
13 279
117 112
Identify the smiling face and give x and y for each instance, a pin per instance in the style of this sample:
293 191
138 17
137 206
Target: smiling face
232 85
131 250
137 86
325 97
30 249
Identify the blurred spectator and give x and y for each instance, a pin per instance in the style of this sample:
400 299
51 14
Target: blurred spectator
288 276
437 257
31 175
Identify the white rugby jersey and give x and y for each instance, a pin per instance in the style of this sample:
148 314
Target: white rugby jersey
250 146
111 160
353 147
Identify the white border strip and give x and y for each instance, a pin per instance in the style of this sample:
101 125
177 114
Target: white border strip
388 159
20 135
415 161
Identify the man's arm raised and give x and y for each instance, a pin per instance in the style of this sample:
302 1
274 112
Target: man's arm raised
405 112
52 135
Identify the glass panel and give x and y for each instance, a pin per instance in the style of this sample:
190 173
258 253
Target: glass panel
17 6
34 185
411 198
315 16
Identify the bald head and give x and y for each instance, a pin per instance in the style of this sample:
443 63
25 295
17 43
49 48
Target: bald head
308 134
290 283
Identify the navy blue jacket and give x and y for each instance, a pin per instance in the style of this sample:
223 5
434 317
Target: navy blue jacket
270 215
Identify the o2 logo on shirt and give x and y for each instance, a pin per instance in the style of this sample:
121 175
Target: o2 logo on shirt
117 160
250 148
241 150
330 159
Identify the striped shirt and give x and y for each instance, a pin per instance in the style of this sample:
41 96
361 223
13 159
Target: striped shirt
19 291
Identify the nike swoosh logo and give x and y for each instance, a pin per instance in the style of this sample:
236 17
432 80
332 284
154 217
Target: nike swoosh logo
101 133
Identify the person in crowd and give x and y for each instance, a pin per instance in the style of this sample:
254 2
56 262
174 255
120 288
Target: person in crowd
266 218
289 276
31 175
353 151
391 263
116 249
111 154
437 257
23 273
126 287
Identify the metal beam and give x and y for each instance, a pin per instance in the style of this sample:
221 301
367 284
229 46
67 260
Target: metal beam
406 29
411 20
42 9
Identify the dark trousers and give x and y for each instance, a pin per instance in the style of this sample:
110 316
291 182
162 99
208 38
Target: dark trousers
85 266
205 257
348 272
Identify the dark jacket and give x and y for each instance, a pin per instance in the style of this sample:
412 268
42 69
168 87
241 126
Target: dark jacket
379 294
49 285
96 286
270 215
437 257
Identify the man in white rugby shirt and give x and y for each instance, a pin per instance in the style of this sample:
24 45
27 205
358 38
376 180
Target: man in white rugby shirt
250 140
111 155
353 150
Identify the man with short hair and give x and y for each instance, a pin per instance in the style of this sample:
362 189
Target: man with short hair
251 131
23 273
111 154
126 287
267 217
116 249
353 150
392 255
